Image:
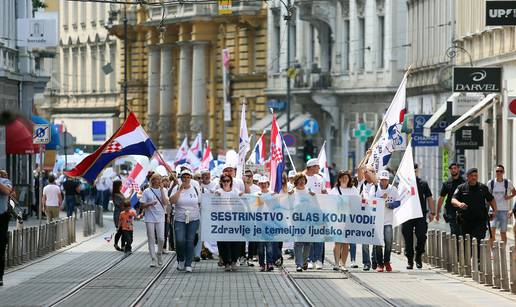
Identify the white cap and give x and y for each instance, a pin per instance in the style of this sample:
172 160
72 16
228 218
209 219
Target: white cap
256 177
384 175
263 179
185 165
312 162
205 171
229 165
186 172
292 174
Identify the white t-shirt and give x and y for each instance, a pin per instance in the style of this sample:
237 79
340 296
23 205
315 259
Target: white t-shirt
364 188
392 195
345 191
499 194
254 189
315 184
155 213
237 183
187 204
52 192
209 188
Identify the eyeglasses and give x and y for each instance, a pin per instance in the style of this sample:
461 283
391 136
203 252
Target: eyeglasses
226 181
499 171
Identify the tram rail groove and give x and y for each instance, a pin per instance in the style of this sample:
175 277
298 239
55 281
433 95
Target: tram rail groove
305 300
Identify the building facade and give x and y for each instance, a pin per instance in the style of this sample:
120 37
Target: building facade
175 82
347 59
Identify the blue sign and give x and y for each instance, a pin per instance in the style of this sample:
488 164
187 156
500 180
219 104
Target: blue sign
418 140
98 128
310 127
290 140
420 121
276 104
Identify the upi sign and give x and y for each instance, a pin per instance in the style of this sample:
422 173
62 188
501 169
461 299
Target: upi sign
500 13
477 79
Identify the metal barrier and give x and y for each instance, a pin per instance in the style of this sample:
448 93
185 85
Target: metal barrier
92 219
29 243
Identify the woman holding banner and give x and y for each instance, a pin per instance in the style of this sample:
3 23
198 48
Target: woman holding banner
343 186
301 249
228 251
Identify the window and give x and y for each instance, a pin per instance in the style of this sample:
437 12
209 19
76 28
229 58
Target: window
381 42
73 71
102 76
345 51
277 41
94 64
112 61
83 76
361 43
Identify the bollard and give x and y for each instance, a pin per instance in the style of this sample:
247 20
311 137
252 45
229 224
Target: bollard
430 248
10 248
497 284
93 225
74 229
461 256
15 247
483 263
475 263
25 241
455 269
101 217
46 239
444 251
489 265
62 233
449 267
467 256
504 278
85 225
438 254
512 261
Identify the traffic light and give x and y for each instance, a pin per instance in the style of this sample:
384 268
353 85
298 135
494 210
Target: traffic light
308 150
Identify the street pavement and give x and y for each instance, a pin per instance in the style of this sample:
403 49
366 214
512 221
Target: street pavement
93 274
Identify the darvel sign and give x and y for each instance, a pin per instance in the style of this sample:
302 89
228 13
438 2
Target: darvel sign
500 13
477 79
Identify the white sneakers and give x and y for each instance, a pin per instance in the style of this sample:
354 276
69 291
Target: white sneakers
153 263
234 266
188 269
299 269
160 260
310 265
343 268
318 265
180 265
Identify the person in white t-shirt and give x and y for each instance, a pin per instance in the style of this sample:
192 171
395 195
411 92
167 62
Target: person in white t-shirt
503 191
207 185
186 200
315 184
290 183
392 200
344 187
301 249
51 199
154 202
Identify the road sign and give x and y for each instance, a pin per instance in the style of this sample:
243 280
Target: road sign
420 120
511 101
41 134
310 127
418 140
362 132
290 139
225 7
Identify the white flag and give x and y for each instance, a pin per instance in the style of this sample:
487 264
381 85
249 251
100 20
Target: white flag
182 152
410 207
244 143
323 165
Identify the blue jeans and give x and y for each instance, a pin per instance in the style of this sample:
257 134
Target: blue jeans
383 253
366 259
70 204
184 235
301 252
352 252
317 252
265 249
276 251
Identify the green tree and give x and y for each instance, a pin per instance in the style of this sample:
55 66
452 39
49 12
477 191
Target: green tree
36 4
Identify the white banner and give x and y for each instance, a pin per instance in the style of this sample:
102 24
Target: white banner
292 218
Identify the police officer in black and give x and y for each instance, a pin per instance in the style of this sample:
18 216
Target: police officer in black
470 199
418 225
447 190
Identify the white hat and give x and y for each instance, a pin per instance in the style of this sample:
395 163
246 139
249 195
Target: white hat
205 171
384 175
186 172
263 179
312 162
185 165
229 165
256 177
292 174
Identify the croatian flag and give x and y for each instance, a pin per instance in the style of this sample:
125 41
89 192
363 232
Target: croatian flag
391 129
133 182
259 153
130 139
244 143
196 147
323 165
207 159
277 157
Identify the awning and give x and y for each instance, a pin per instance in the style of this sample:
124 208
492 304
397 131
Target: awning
265 123
18 139
427 128
473 113
297 122
54 132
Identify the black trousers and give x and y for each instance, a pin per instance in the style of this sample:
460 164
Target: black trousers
4 226
229 251
475 229
127 236
252 250
420 227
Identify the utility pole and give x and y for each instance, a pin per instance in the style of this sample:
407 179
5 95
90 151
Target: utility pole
126 45
288 18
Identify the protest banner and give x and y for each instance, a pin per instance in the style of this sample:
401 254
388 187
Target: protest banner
299 217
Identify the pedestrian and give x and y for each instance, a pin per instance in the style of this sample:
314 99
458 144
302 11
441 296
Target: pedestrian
447 189
367 180
290 183
186 201
315 184
343 186
52 199
165 182
154 202
252 249
265 250
229 251
171 241
301 249
125 221
470 199
503 191
390 195
118 200
419 226
6 191
72 188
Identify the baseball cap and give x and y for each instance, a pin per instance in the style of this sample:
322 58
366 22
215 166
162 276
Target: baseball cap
256 177
263 179
384 175
471 171
312 162
292 174
453 164
186 172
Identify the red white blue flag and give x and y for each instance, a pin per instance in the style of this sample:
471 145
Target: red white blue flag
323 165
259 153
130 139
277 157
134 181
207 159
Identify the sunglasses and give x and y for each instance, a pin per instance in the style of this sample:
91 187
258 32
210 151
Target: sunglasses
226 181
499 171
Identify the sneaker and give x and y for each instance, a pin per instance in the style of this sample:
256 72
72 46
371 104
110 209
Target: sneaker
366 267
118 248
374 266
180 265
318 265
165 251
299 269
197 259
153 263
255 258
379 268
419 263
160 260
127 253
234 267
227 268
310 265
279 262
188 269
249 263
335 267
344 269
410 264
305 266
262 268
1 283
353 265
270 268
388 267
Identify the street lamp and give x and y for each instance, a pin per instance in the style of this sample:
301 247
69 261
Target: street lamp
288 17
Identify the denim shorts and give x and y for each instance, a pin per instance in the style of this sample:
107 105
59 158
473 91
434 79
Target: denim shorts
500 221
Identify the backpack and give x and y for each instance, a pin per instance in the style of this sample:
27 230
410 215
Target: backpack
505 183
